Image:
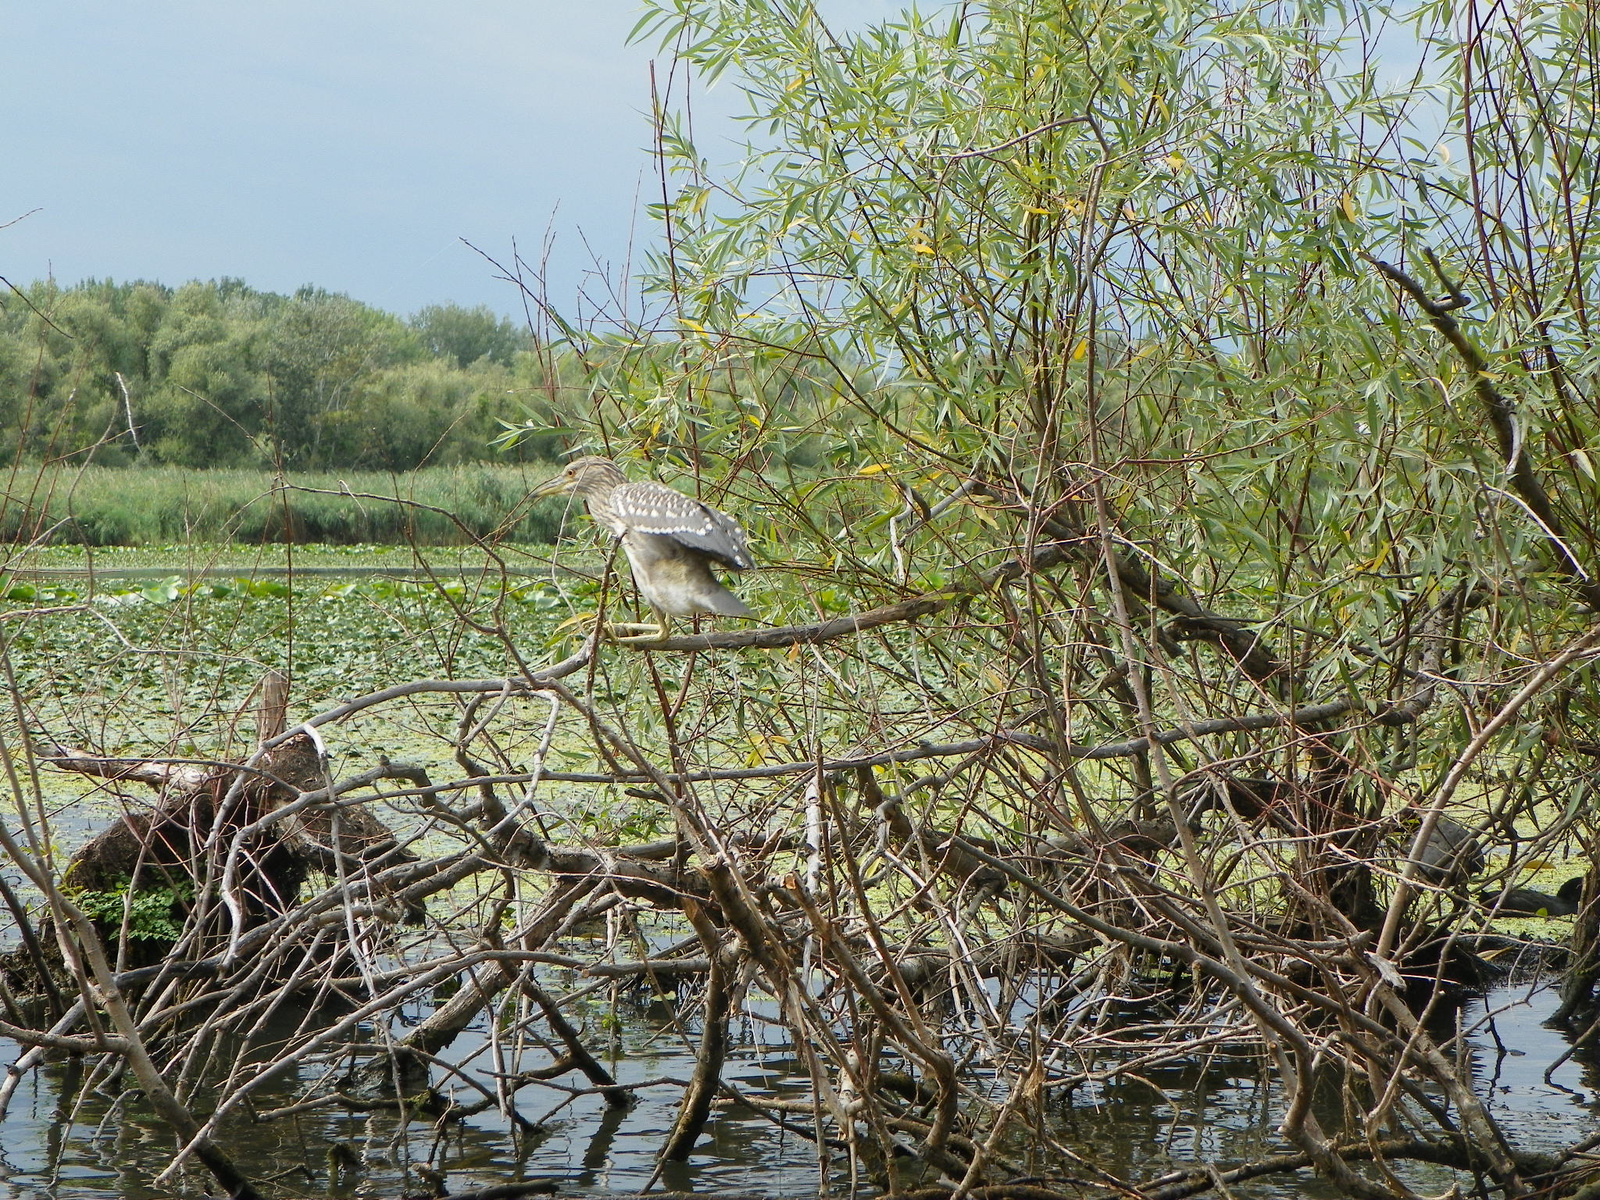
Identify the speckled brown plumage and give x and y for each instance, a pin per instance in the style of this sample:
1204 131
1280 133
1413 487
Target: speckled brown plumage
671 540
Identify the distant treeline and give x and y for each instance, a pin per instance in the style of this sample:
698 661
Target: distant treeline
218 374
102 506
141 414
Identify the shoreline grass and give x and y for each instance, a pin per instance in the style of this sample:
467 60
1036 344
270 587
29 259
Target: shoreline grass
172 506
195 558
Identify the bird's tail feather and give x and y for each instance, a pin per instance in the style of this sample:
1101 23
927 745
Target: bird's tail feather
728 605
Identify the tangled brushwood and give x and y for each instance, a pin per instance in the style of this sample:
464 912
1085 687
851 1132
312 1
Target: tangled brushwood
953 936
1170 456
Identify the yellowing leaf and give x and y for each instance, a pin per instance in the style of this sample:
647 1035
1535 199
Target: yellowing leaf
1080 350
1347 206
1176 162
873 469
922 247
1377 561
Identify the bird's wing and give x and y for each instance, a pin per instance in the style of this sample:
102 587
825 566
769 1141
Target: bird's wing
654 508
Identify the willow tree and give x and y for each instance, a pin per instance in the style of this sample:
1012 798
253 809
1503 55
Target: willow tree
1223 417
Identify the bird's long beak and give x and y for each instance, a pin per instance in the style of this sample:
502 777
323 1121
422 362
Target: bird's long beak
550 487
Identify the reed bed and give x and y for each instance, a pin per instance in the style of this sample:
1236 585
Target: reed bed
148 506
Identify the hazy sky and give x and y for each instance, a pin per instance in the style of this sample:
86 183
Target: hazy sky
349 145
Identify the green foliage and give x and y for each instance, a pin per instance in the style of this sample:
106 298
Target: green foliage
467 335
1105 256
540 594
1109 261
218 374
153 912
151 506
1021 237
130 664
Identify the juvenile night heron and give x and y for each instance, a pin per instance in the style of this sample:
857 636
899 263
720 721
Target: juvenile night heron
671 541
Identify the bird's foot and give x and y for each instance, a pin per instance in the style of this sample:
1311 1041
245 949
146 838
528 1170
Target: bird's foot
629 633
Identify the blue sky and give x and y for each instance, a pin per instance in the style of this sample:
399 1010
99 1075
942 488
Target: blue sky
349 145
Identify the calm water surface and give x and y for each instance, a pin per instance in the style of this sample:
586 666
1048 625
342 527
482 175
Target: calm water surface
108 1150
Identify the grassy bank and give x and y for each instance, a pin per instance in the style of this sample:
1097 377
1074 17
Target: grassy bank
193 558
95 506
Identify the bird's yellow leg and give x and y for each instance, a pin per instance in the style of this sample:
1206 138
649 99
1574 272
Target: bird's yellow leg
640 634
633 633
